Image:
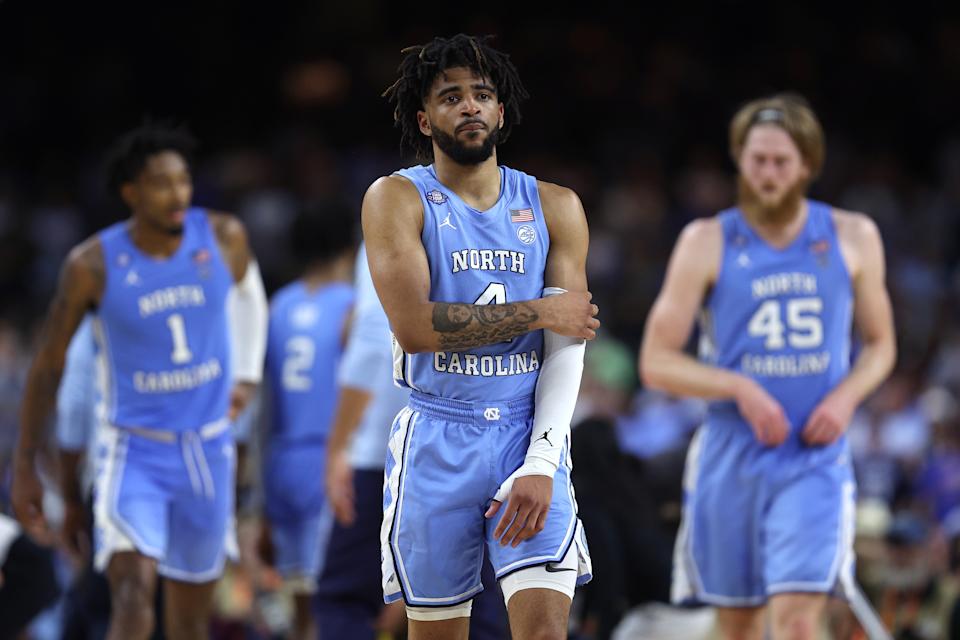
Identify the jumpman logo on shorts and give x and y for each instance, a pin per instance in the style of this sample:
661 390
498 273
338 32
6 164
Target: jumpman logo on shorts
446 222
544 436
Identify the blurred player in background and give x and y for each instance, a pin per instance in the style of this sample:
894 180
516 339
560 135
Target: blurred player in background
777 281
159 284
308 327
462 252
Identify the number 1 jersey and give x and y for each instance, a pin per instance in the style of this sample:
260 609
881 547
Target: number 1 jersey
780 316
495 256
163 331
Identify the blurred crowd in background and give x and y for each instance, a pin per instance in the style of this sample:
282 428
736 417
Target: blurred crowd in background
632 115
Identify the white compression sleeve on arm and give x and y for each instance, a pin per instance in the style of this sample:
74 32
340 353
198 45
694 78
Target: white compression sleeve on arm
247 313
557 388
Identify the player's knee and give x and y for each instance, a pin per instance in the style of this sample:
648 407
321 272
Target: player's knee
132 605
795 624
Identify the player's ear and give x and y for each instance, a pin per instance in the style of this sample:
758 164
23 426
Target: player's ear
500 126
424 123
129 195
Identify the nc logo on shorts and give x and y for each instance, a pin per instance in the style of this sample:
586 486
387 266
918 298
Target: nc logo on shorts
527 234
491 413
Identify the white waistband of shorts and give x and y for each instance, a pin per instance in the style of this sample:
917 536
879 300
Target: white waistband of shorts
208 431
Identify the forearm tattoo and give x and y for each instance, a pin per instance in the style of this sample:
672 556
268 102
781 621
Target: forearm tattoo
463 326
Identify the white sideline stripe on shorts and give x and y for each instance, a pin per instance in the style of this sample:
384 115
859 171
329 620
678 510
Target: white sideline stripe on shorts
686 582
117 535
395 447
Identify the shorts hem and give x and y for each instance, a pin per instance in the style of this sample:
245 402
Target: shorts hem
453 601
195 577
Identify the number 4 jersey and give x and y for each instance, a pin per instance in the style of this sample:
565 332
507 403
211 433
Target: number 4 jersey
162 326
495 256
780 316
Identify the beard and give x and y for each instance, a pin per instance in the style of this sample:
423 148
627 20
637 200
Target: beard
463 154
767 210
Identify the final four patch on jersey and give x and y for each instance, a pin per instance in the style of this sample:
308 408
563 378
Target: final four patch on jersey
820 249
527 234
437 197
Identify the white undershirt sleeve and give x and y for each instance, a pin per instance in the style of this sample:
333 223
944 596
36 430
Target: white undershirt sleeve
247 311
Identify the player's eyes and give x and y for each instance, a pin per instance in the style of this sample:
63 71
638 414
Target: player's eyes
452 98
484 96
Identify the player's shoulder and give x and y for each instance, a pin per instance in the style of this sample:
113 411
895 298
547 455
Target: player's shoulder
702 233
84 267
228 228
87 255
555 197
854 226
392 198
285 295
394 187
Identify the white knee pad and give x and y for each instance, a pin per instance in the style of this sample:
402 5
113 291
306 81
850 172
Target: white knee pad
559 576
428 614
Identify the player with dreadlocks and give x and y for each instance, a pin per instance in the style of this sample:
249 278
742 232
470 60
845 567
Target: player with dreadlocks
481 271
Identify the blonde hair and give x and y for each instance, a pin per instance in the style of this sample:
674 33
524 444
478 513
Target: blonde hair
790 112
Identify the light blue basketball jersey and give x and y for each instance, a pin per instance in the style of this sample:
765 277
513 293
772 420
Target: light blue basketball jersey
782 317
304 345
480 257
162 329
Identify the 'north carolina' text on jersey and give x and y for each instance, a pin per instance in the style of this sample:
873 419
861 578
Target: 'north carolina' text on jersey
480 257
162 326
781 316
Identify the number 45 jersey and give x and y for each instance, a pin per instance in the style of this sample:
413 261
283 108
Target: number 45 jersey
162 325
780 316
495 256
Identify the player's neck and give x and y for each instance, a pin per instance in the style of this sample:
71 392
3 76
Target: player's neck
478 184
779 231
321 274
152 241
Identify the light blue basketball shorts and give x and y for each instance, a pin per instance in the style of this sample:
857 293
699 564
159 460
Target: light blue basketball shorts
445 462
166 495
295 506
758 521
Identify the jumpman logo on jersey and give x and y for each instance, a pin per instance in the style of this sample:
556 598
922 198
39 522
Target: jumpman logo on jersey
446 222
544 436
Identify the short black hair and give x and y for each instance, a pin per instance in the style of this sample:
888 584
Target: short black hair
423 63
322 232
128 155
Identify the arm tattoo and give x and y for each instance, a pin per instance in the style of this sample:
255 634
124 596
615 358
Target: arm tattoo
463 326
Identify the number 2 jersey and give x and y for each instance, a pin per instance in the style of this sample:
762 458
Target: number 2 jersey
495 256
163 331
304 345
780 316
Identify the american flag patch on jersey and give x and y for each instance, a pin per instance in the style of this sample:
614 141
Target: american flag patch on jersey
521 215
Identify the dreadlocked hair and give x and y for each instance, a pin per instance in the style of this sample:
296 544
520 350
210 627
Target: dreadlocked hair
423 63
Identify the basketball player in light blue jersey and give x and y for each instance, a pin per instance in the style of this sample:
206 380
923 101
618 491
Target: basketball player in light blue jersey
170 287
308 328
779 282
462 252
